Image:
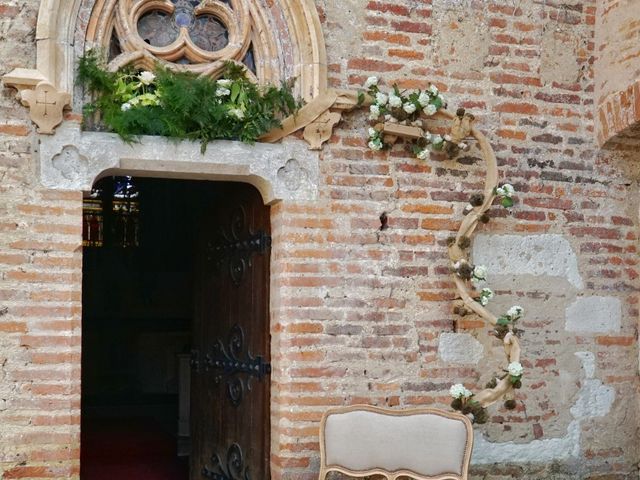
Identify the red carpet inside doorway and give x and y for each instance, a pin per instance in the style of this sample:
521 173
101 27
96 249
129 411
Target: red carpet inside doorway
129 449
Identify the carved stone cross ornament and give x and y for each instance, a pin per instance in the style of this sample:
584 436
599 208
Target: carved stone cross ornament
46 105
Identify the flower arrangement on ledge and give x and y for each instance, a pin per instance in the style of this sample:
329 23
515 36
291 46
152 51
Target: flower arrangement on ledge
183 105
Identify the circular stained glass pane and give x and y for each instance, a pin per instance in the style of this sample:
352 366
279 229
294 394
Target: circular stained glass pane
157 29
209 33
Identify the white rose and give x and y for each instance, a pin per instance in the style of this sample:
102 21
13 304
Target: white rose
515 312
395 101
423 154
487 292
125 106
458 391
434 90
508 190
374 112
381 99
424 99
146 77
371 81
373 132
224 82
436 139
409 107
515 369
480 272
430 109
222 92
375 144
236 112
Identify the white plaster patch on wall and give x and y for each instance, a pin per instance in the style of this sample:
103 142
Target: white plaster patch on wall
459 348
594 315
543 450
546 254
594 400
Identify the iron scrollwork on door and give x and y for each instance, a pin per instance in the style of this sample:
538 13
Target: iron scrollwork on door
229 361
236 245
233 470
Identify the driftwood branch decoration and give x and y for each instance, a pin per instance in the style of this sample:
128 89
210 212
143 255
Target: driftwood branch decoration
460 130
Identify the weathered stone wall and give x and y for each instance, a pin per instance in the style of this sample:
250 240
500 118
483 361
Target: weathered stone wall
363 315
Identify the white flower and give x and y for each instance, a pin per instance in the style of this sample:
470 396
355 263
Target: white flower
236 112
424 99
459 391
501 192
224 82
434 90
371 81
485 295
480 272
374 112
515 369
423 154
146 77
222 92
395 101
372 132
125 106
515 312
375 144
508 190
430 109
436 139
447 138
409 107
381 99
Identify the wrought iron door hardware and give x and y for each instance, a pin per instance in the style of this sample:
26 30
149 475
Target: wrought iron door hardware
228 362
236 245
233 470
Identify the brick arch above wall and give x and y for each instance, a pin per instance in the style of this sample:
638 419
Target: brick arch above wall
619 115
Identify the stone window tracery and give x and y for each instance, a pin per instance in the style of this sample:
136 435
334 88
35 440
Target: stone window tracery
196 35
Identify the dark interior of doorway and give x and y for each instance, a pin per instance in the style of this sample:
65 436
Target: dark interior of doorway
136 331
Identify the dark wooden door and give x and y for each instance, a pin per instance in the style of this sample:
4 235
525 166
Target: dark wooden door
230 360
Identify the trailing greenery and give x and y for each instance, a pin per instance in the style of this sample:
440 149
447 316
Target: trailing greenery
183 105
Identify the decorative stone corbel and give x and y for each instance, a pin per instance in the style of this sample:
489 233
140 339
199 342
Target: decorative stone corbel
46 103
